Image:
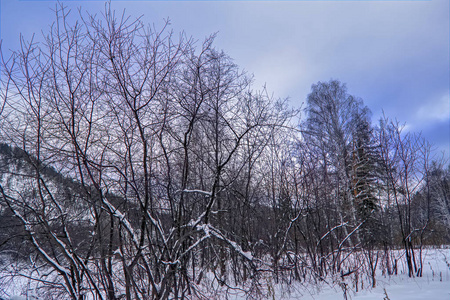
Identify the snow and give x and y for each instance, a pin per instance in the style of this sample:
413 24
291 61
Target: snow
197 191
209 230
434 285
396 289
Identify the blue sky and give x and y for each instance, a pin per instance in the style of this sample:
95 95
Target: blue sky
392 54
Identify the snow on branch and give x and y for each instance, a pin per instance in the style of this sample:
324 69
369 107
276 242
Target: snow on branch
196 191
119 215
330 231
350 234
209 230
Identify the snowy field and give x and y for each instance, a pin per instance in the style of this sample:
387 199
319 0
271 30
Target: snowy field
434 285
395 288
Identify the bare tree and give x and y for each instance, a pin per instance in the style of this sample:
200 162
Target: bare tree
140 165
405 158
153 136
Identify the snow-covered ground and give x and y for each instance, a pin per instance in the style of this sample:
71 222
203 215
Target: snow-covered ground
433 285
398 288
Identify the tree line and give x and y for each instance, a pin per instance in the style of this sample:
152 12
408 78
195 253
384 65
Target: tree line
138 164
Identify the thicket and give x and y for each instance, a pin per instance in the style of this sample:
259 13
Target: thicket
142 165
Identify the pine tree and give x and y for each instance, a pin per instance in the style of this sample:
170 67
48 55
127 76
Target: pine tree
364 169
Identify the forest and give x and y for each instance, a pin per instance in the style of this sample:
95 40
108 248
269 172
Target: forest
136 163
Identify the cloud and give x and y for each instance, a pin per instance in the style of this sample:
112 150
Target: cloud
435 109
392 54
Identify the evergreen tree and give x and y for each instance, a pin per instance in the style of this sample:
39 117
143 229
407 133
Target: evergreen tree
364 169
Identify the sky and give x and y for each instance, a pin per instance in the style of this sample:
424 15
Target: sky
392 54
